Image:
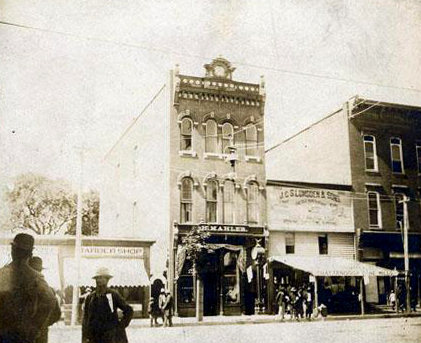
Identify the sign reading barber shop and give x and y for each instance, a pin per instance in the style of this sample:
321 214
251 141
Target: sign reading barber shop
127 252
309 209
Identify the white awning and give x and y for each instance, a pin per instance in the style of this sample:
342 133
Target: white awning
126 272
49 256
332 266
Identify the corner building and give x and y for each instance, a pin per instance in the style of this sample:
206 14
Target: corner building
169 172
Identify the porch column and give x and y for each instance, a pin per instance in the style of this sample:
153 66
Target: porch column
316 296
270 289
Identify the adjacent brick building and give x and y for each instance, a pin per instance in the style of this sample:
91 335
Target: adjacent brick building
372 149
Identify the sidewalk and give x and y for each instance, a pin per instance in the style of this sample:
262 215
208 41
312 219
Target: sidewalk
265 318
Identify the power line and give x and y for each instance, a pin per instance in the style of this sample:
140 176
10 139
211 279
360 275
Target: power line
172 52
134 121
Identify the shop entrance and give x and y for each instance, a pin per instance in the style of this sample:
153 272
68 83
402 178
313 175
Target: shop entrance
210 294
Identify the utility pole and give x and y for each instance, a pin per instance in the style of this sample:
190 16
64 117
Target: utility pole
78 243
405 251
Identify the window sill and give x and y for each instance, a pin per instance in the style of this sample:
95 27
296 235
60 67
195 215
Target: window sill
375 228
253 159
372 172
187 153
212 155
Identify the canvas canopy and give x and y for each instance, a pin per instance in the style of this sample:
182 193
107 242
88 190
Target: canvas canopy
126 272
332 266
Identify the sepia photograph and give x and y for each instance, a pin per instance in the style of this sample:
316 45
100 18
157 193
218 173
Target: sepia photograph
210 171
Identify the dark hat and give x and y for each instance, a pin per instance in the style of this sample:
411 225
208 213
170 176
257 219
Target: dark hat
35 262
23 241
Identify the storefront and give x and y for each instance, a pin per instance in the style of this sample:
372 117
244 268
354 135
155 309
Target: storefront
127 259
336 282
227 272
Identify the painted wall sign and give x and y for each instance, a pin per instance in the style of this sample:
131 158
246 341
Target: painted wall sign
95 251
223 228
309 209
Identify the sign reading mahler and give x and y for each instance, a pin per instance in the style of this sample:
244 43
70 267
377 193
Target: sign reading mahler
309 209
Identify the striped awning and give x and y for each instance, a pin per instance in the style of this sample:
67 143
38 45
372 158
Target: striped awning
332 266
126 272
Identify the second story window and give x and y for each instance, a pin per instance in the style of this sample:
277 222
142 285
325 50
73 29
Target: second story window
211 140
323 247
229 192
289 243
186 201
370 153
253 203
399 210
396 155
227 137
251 140
418 149
211 201
186 134
374 215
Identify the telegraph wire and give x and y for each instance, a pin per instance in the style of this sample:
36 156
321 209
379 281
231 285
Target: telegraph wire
172 52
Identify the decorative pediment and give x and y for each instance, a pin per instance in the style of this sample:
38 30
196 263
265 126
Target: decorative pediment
219 68
188 174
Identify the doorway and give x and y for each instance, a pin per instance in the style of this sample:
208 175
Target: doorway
210 294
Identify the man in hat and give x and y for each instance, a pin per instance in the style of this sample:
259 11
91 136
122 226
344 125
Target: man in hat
26 300
168 308
35 262
101 323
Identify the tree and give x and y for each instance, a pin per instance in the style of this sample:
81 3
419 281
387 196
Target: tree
196 247
47 206
90 215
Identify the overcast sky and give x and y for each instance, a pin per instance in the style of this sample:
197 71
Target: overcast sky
81 70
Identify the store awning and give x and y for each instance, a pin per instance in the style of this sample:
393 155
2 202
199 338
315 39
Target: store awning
332 266
126 272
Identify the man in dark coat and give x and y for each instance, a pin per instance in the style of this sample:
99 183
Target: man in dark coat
26 300
101 323
35 262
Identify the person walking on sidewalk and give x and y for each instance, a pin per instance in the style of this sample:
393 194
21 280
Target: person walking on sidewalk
168 309
26 300
35 262
392 299
281 300
101 323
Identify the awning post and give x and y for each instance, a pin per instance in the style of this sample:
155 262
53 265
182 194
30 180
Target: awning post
361 296
316 296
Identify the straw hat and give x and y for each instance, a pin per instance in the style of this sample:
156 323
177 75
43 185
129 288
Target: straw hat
102 272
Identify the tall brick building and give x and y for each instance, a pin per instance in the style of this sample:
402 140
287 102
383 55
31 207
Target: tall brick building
170 173
372 149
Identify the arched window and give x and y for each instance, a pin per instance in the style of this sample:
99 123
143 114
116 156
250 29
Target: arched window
186 200
186 134
211 201
229 202
251 140
211 142
227 137
396 155
253 203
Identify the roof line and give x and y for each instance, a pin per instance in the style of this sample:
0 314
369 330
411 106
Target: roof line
134 122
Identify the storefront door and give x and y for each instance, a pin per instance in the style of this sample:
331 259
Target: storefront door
210 294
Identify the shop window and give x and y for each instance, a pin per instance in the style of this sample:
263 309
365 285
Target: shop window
211 201
251 140
399 210
290 243
186 200
374 209
211 140
231 282
186 134
323 247
227 137
370 153
253 203
396 155
418 150
229 191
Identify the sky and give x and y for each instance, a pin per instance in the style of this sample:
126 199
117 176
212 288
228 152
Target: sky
77 72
